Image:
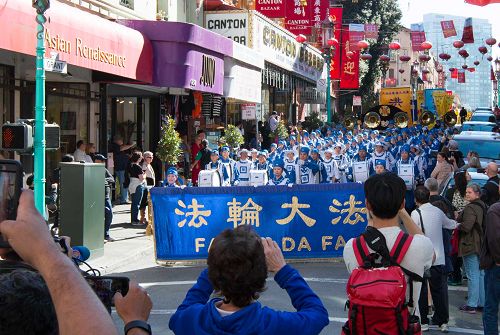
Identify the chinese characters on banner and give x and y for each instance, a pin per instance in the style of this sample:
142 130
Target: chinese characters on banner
371 31
356 34
349 78
417 36
319 11
441 80
399 97
298 16
305 221
468 34
448 28
336 15
272 9
461 76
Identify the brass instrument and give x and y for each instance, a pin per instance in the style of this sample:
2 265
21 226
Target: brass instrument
427 118
450 119
401 120
350 122
372 120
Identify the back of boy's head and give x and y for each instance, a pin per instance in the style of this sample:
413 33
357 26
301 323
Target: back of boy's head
385 193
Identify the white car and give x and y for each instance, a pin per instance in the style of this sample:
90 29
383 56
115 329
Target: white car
478 126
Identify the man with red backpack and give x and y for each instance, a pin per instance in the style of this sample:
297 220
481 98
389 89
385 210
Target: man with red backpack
386 264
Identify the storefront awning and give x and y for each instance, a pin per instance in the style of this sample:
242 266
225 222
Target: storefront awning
80 38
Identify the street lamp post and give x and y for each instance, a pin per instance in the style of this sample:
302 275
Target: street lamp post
497 77
39 144
329 47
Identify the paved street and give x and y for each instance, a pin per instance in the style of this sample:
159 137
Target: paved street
167 287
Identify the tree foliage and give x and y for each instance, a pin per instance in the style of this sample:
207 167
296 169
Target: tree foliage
312 122
169 147
387 15
281 132
233 136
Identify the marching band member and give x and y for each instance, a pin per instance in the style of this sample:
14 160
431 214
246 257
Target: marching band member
380 166
273 154
361 166
263 164
172 177
291 166
307 168
229 165
215 164
406 168
322 176
278 177
381 154
254 153
243 166
342 162
420 162
281 149
293 143
331 167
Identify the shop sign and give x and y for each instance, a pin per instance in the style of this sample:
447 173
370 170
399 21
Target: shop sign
233 26
248 111
271 8
356 100
208 71
279 47
298 17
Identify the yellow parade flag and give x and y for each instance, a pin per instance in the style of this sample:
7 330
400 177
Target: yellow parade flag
399 97
440 99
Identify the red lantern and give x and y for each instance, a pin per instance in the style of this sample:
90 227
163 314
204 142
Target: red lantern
439 69
332 41
491 41
458 44
363 44
426 45
425 71
300 38
443 56
404 58
452 69
385 58
464 66
482 49
394 46
476 63
401 71
414 72
366 57
489 59
424 58
463 53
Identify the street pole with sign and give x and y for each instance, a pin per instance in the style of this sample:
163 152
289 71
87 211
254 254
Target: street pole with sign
329 46
39 143
497 77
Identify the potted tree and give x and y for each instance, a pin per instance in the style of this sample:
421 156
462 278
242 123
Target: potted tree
233 137
169 148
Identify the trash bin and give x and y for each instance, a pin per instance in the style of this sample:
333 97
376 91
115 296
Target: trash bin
82 205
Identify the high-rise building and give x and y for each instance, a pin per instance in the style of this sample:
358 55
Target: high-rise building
476 91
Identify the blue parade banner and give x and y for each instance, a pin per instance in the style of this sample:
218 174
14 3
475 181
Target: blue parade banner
307 221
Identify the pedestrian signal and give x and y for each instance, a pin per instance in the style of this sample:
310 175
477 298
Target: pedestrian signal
17 137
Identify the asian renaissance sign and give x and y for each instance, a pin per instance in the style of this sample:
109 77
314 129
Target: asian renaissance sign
307 221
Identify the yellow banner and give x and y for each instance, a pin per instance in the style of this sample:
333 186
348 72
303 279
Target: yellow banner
399 97
420 100
440 100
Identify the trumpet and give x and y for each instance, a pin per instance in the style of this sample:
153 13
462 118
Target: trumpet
350 122
372 120
427 118
401 120
450 119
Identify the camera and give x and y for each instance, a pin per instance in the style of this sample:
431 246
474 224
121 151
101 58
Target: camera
105 287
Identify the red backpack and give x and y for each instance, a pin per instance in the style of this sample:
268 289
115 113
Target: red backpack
377 291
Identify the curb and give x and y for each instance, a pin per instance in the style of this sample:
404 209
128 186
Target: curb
111 267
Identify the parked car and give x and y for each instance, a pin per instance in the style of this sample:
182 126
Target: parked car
483 110
479 126
486 144
483 117
476 177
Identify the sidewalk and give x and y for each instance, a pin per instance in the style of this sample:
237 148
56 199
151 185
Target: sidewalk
131 243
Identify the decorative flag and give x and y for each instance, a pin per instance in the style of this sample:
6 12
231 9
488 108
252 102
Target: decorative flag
471 69
461 76
468 35
454 74
448 28
371 30
441 80
482 2
298 17
336 15
420 99
349 77
399 97
320 9
417 36
440 102
356 34
271 9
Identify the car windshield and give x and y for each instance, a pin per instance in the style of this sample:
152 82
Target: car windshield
481 182
485 149
477 127
483 117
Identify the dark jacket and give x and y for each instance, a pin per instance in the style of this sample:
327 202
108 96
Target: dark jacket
471 228
109 182
489 192
197 315
491 248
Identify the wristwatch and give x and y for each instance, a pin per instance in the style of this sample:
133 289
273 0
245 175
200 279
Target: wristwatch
137 324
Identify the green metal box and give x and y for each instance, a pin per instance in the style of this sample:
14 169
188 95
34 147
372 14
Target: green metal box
82 205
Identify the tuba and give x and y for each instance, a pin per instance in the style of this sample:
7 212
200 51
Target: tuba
350 122
401 120
427 118
372 120
450 119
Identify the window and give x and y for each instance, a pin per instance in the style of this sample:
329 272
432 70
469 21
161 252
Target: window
127 3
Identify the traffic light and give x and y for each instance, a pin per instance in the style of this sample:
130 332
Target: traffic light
52 136
17 137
